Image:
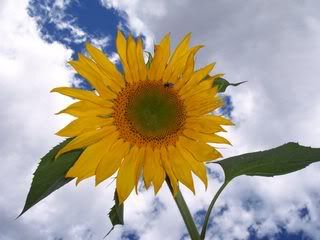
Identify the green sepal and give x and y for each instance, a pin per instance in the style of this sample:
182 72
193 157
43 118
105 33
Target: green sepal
221 84
116 213
50 174
281 160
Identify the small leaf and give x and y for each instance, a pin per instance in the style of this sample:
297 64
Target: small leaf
285 159
150 58
49 175
222 84
116 213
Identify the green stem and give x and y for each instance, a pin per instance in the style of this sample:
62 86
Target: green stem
206 220
185 213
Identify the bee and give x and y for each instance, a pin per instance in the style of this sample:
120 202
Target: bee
168 85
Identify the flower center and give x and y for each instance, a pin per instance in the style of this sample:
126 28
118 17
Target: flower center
149 112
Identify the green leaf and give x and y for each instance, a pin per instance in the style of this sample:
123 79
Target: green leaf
116 213
222 84
49 175
150 58
281 160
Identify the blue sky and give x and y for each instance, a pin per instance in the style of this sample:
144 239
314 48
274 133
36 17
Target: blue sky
266 50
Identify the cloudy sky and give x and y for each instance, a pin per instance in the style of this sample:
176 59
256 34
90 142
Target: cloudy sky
275 45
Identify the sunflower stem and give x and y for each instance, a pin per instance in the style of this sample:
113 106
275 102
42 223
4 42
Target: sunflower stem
185 213
206 220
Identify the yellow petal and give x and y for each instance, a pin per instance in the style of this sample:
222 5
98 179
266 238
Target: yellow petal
141 63
86 139
197 167
159 62
132 59
186 68
121 44
111 161
189 67
159 174
196 78
89 70
90 158
202 104
168 169
180 51
177 76
126 175
148 169
82 95
102 78
204 127
210 120
204 137
89 74
139 166
202 152
180 169
81 125
203 86
105 65
85 108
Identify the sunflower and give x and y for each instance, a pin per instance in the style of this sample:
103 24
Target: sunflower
153 121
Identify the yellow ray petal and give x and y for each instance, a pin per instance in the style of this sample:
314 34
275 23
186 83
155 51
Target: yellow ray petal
209 120
196 78
179 68
126 175
161 56
93 77
202 152
132 58
168 169
189 66
202 104
86 172
159 174
81 125
180 51
203 86
90 158
111 161
121 44
197 167
141 63
204 137
205 127
82 95
106 65
85 109
101 77
180 169
186 68
139 166
148 168
86 139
